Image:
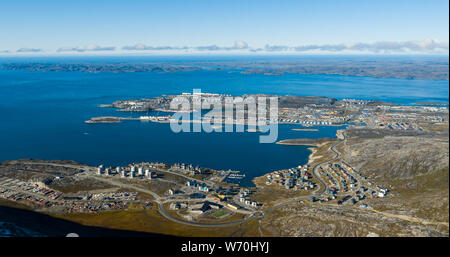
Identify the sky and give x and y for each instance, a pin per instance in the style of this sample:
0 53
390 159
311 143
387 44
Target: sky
252 26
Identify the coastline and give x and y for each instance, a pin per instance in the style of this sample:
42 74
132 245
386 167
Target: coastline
311 157
304 129
313 145
305 141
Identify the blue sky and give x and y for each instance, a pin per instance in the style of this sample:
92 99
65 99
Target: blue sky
83 26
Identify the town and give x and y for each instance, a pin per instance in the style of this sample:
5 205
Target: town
37 194
189 192
192 195
305 111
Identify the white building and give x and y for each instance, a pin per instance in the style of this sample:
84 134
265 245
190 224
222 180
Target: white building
100 169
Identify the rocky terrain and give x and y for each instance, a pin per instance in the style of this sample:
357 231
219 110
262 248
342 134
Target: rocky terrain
326 220
57 177
413 166
37 170
415 169
399 157
406 67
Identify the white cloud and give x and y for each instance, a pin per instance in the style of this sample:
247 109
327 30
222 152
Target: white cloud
154 48
29 50
425 46
240 44
86 48
428 46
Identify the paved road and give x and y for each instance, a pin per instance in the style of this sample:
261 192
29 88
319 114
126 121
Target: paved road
159 200
120 184
165 214
186 177
323 188
73 166
259 214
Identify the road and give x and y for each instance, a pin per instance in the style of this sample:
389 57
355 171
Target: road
323 188
120 184
186 177
73 166
160 201
257 214
165 214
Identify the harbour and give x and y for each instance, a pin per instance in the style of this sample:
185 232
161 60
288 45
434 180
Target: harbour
65 135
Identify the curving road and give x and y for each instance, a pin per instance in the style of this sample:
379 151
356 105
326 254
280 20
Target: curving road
184 176
316 167
167 215
259 214
322 188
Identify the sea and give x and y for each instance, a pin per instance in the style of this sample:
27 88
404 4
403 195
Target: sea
42 114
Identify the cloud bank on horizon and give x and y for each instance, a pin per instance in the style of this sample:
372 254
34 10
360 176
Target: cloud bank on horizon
428 46
425 46
86 48
27 50
238 45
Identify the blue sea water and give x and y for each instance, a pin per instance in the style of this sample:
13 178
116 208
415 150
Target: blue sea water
42 115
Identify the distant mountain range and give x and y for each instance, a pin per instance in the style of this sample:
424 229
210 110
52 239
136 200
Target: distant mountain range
400 67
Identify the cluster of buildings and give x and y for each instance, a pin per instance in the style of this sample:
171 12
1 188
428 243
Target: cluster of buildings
156 118
342 179
186 169
339 178
93 207
243 198
204 206
400 117
132 171
309 122
220 195
294 178
113 196
29 192
196 208
144 169
17 196
355 102
398 125
135 105
97 202
313 115
101 202
419 109
362 193
40 189
178 205
202 187
36 193
313 112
